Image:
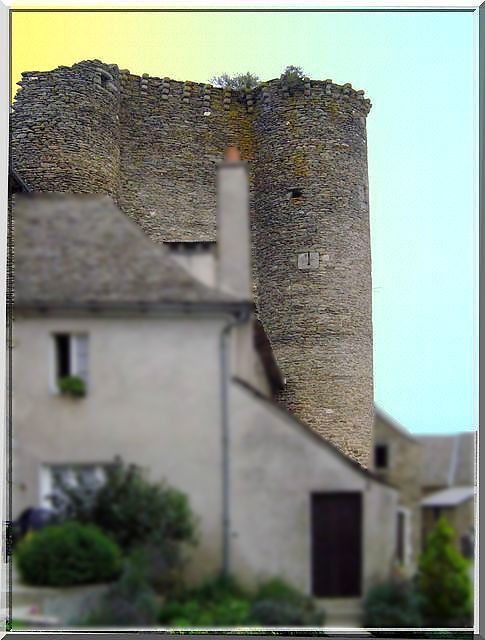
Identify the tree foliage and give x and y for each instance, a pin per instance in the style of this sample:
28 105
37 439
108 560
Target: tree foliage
128 507
292 76
444 581
238 81
393 604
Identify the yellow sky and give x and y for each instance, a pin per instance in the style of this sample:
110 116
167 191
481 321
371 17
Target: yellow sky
182 45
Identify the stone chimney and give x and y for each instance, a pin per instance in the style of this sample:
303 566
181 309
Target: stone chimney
233 232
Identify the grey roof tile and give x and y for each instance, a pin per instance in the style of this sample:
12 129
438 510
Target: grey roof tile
84 250
448 460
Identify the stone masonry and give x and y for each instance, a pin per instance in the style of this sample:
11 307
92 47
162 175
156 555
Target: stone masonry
152 143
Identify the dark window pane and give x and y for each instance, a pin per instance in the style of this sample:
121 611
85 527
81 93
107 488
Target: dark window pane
63 356
381 456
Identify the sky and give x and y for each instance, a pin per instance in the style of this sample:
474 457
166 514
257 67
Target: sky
419 70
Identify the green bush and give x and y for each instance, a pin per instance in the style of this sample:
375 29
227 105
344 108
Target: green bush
223 603
277 604
68 554
227 612
72 386
444 581
239 81
130 601
292 76
217 602
129 508
392 604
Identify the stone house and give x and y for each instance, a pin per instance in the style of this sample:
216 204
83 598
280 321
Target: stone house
398 460
448 484
181 379
435 476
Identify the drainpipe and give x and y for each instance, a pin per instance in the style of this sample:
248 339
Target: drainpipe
225 352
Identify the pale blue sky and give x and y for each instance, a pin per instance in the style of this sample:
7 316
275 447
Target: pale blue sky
418 70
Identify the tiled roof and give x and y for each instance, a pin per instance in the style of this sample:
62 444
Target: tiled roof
84 251
392 423
448 460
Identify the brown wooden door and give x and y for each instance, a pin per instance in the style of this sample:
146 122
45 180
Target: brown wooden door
336 544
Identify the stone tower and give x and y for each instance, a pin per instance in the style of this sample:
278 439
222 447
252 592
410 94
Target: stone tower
65 129
313 255
153 144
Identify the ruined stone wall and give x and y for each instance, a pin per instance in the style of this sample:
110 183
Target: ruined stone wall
154 142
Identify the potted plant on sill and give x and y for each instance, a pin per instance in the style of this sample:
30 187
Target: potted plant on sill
73 386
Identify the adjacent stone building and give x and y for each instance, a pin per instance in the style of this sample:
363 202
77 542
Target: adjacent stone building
435 476
448 484
151 144
398 459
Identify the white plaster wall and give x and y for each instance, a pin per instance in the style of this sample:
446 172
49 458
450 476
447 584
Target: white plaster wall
200 264
154 399
276 465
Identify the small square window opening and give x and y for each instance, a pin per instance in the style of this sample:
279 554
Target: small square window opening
295 193
381 456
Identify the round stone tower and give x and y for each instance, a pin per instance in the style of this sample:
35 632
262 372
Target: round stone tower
65 129
312 254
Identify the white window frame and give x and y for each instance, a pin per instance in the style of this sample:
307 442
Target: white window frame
46 484
406 512
73 358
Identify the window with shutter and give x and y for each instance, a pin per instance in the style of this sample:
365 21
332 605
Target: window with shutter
80 344
71 357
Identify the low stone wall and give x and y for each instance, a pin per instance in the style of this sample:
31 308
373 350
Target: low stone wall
69 604
65 606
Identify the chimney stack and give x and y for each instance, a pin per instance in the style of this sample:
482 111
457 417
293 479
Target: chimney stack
233 232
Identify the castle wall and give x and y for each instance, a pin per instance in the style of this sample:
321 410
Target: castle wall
153 143
65 129
318 318
173 134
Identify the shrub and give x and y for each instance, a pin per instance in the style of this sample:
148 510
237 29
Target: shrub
217 602
278 604
129 508
162 564
393 604
223 603
130 601
72 386
292 76
239 81
226 612
68 554
443 580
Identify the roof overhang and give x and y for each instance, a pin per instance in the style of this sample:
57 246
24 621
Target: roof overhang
450 497
40 308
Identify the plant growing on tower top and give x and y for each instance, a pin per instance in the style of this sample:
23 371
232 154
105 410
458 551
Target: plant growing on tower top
292 76
239 81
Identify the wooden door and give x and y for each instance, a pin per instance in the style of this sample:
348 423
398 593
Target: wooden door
336 544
